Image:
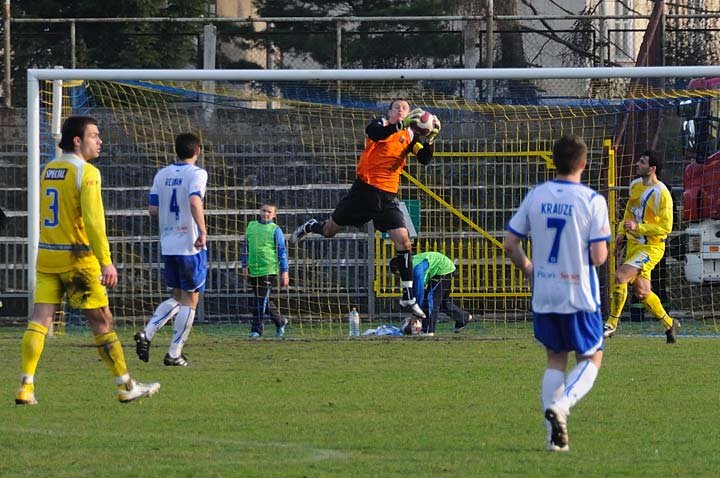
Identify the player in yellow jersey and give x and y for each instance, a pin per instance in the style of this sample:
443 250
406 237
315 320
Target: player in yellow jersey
74 259
645 226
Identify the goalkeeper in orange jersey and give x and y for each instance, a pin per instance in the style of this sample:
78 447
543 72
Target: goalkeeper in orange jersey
74 259
389 141
645 226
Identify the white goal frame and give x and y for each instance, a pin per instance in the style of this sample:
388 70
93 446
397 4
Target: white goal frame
34 76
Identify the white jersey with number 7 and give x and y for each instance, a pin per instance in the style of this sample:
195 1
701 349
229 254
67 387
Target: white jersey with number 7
562 219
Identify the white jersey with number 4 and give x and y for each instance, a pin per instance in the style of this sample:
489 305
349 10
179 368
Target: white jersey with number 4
562 219
171 190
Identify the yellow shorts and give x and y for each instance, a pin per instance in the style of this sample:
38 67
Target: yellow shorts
644 257
82 286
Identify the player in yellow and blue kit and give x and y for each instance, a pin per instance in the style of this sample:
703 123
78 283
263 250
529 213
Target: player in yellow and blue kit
74 259
645 226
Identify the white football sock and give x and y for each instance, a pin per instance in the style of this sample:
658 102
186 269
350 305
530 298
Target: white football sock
163 313
553 385
122 379
181 330
579 382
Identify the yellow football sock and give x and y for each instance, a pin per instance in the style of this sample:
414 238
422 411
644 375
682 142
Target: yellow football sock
111 352
33 343
652 304
618 296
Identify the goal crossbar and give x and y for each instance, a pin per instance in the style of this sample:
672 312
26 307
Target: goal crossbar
379 74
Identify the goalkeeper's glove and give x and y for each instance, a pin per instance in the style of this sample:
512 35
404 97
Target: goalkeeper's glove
430 138
412 118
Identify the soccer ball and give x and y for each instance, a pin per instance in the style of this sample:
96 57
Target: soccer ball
411 326
425 124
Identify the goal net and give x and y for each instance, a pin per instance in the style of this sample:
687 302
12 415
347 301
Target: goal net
294 138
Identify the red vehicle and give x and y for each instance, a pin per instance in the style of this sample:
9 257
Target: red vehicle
701 182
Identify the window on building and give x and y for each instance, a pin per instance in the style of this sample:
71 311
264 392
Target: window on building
622 39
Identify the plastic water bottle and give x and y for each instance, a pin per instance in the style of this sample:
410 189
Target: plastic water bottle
354 321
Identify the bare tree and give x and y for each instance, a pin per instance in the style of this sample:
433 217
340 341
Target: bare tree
691 41
512 49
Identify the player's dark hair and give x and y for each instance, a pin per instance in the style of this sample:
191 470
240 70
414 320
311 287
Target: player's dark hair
568 153
185 145
73 127
654 159
398 99
269 203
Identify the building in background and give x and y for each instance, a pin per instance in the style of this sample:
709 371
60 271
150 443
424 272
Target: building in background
239 53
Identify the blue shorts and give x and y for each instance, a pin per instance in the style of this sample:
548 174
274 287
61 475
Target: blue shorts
186 273
581 332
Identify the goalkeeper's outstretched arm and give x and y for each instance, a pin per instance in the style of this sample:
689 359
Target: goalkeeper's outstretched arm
379 129
424 150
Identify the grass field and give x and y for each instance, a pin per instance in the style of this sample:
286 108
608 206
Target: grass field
368 407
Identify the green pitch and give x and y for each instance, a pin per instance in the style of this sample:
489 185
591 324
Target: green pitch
369 407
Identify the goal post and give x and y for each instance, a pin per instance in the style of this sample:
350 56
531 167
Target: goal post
294 136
